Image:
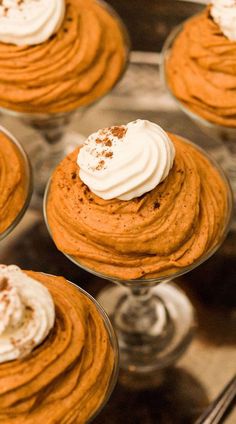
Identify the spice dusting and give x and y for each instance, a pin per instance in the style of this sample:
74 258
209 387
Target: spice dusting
101 146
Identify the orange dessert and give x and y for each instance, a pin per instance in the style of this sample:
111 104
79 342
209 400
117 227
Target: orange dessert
13 181
131 234
63 376
200 69
77 64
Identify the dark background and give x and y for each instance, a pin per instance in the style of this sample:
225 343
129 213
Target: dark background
150 21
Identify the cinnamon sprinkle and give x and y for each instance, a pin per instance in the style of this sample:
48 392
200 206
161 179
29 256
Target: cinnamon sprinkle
3 283
108 154
107 142
98 140
29 308
118 132
156 205
100 165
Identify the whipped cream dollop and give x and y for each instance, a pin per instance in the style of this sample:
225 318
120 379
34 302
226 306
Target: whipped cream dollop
224 14
30 22
27 313
126 161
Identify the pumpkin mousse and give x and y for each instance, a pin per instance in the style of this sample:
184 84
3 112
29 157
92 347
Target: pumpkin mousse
200 69
56 358
59 55
14 181
136 202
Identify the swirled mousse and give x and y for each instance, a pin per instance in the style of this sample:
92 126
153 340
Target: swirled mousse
56 359
13 182
201 68
172 213
59 55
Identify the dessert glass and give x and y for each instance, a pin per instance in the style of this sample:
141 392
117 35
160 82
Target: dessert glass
29 187
53 140
223 134
154 322
101 396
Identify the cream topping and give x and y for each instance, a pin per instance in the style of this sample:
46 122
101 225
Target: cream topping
127 161
224 14
30 22
27 313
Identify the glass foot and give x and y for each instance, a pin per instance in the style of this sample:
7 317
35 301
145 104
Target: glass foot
45 157
147 345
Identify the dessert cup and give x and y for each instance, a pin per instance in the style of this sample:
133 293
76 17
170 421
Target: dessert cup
92 397
53 140
154 322
223 135
29 184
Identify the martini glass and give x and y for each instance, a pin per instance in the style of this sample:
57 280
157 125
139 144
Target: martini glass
153 319
28 183
53 140
94 394
224 136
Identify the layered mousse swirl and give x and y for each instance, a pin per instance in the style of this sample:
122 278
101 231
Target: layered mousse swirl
26 313
164 230
13 182
140 150
63 380
30 22
81 59
201 67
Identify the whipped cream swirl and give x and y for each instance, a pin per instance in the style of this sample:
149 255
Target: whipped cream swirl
30 22
224 14
27 313
127 161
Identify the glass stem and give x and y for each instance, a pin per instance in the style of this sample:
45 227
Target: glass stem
141 320
53 129
138 312
52 151
52 135
52 138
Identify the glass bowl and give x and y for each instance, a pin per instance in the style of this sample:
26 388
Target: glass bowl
53 140
223 134
154 322
29 183
79 365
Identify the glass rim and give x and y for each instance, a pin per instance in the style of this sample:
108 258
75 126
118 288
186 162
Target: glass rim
144 282
29 181
164 57
58 115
